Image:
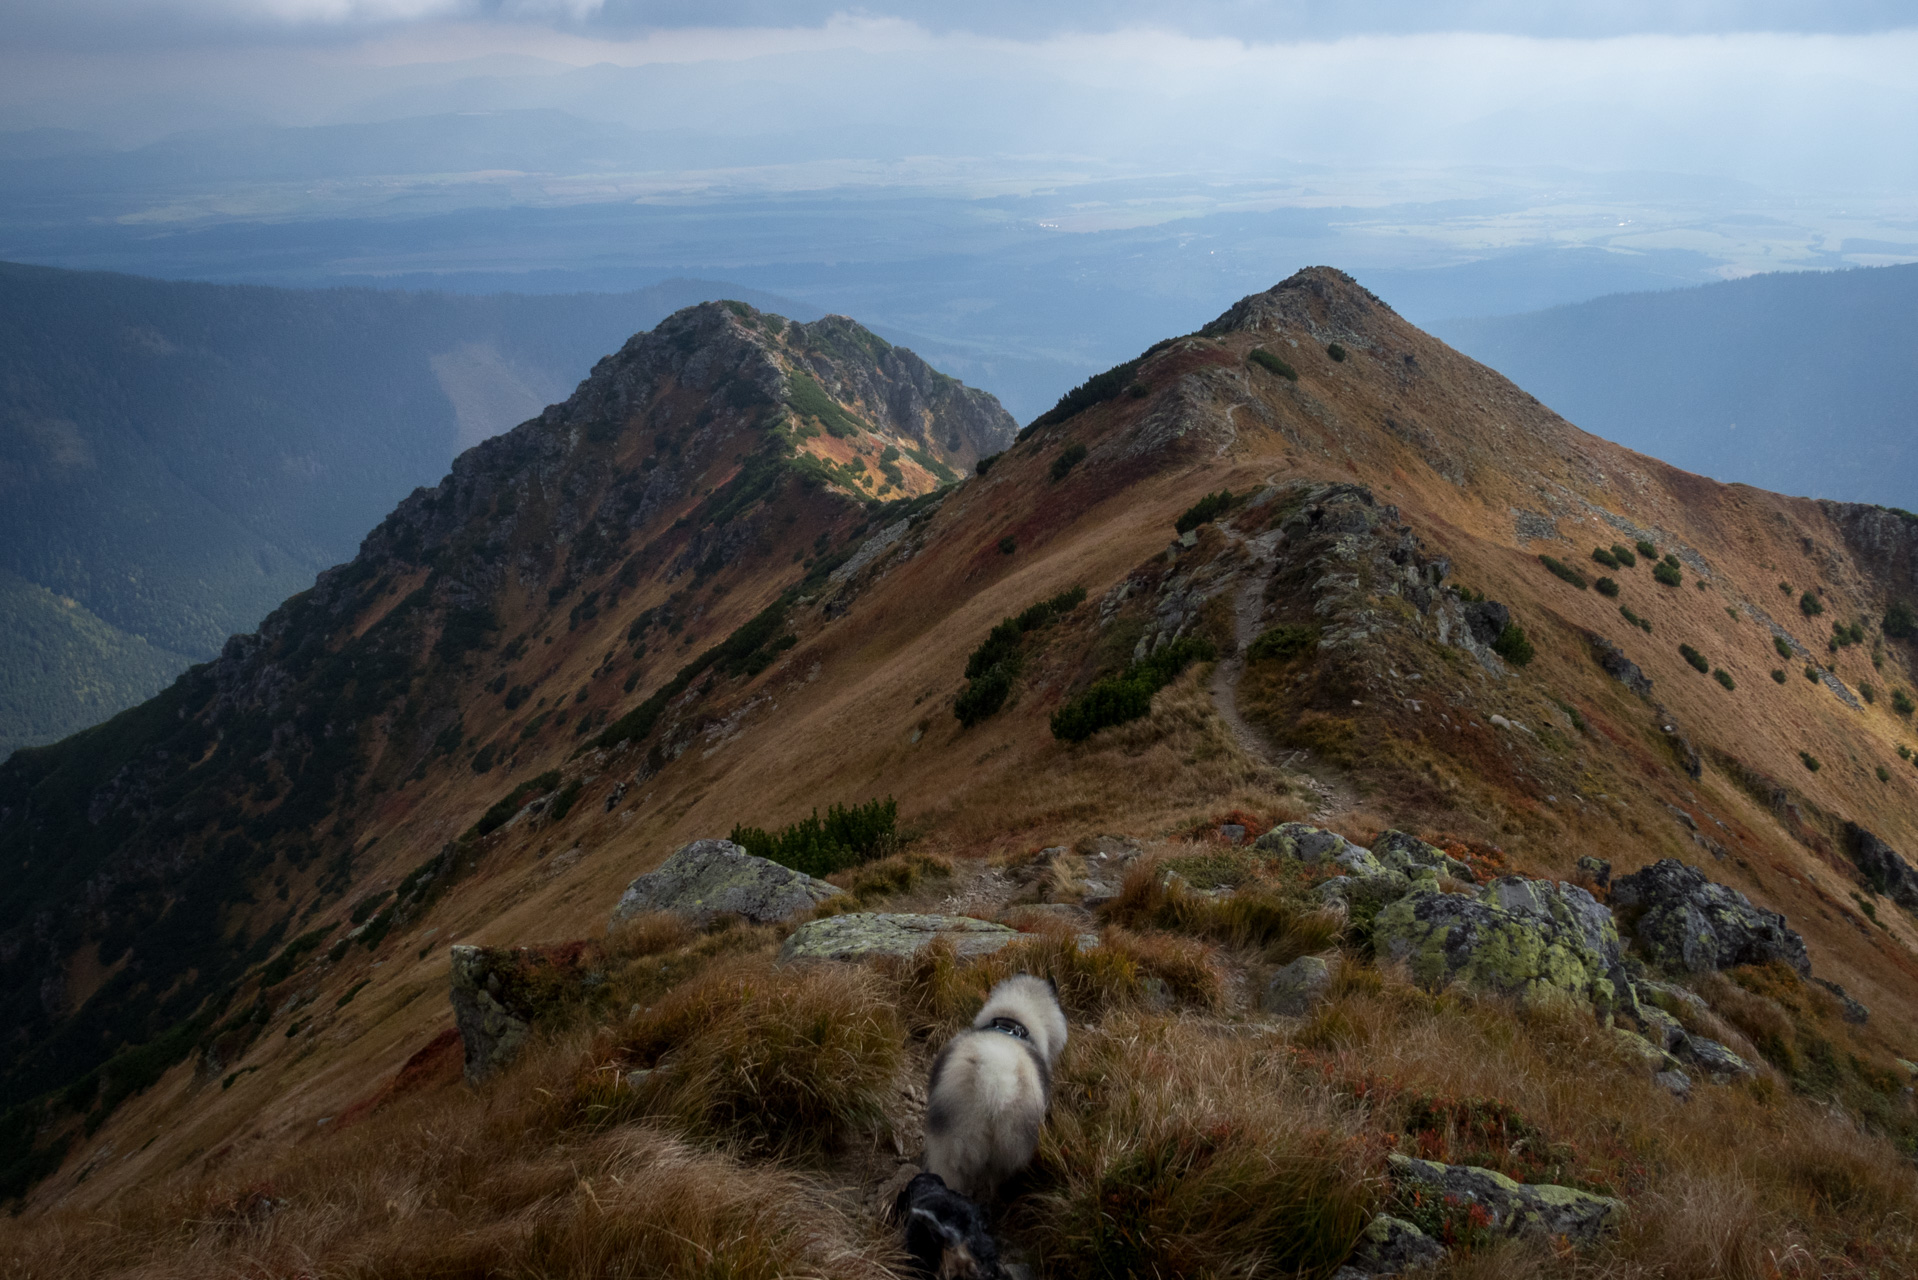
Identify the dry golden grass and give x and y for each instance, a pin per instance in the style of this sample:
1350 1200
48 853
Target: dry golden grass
465 1184
1266 912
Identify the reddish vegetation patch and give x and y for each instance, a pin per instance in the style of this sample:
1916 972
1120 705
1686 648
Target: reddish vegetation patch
1254 825
440 1061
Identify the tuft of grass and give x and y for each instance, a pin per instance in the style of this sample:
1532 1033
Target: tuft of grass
1167 1156
789 1062
1282 643
1259 914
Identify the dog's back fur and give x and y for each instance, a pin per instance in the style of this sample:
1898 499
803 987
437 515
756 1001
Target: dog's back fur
946 1234
991 1086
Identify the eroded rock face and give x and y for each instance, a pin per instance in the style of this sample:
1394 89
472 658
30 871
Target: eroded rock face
1313 845
860 935
1534 939
499 992
1515 1208
1685 922
1888 873
1398 851
711 878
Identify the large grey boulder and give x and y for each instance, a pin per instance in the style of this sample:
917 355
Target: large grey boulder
1534 939
1313 845
1295 989
1685 922
1515 1208
860 935
711 878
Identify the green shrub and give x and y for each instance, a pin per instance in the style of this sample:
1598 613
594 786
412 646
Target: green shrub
820 846
1607 587
1647 550
1008 545
1606 558
1204 511
1623 554
1811 761
1810 605
1513 645
1694 657
1071 456
281 966
1901 702
1643 624
1282 642
1097 389
985 464
1564 571
1782 645
1336 352
1811 673
1904 752
1901 622
1128 695
995 664
1867 691
509 804
1778 677
1884 774
568 796
483 759
1667 572
1272 364
1724 677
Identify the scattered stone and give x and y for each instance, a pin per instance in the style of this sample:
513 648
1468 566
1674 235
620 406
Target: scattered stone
860 935
1232 833
1531 938
1515 1208
711 878
1684 921
498 992
1389 1247
1850 1009
1883 869
1299 986
1314 845
1487 620
1619 667
1660 1027
1643 1051
1720 1063
1598 869
1500 722
1664 995
1674 1082
1399 851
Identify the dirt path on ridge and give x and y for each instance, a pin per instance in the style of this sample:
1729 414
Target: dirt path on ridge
1334 793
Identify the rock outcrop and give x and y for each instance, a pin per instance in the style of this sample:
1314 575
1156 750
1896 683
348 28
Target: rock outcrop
1389 1247
860 935
1296 988
499 992
1398 851
1514 1208
711 878
1685 922
1535 939
1313 845
1882 868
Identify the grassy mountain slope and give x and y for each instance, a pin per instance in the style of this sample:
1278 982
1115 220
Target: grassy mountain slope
179 458
610 631
1801 382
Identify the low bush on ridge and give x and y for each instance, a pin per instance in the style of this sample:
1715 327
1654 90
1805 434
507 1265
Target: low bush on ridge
844 838
1127 696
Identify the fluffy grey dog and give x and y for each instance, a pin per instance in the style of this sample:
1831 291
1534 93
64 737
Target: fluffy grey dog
991 1085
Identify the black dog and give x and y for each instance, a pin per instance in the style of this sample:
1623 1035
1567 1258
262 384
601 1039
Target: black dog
945 1232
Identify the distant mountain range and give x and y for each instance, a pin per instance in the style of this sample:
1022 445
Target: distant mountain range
176 459
1800 382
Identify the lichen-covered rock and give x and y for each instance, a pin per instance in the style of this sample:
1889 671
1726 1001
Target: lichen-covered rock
1364 895
1684 921
1398 851
1531 938
1660 1027
1313 845
860 935
711 878
1668 996
1515 1208
499 992
1598 869
1296 988
1389 1247
1713 1058
1642 1051
1674 1082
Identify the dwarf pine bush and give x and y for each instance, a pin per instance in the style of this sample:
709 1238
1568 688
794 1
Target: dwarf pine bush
845 837
1564 571
1273 364
1623 554
1204 511
1607 587
1606 558
1694 657
1668 572
1514 645
1128 695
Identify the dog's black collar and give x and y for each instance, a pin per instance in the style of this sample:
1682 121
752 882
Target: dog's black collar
1009 1027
